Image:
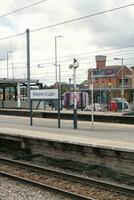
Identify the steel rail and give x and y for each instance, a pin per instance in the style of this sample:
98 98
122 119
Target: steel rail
46 187
68 176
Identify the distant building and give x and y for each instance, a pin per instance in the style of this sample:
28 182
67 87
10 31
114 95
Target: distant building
107 80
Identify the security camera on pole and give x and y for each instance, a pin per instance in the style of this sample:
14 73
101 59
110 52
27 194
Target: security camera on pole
74 66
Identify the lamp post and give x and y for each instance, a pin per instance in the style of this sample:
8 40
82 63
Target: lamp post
70 84
92 99
7 60
59 88
12 70
59 85
100 85
74 66
59 91
109 96
122 82
56 56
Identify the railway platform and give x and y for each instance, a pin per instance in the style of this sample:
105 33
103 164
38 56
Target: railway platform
105 149
118 137
110 117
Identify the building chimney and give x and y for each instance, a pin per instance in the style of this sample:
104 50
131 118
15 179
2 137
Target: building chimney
100 61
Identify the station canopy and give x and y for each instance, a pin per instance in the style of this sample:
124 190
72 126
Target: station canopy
4 82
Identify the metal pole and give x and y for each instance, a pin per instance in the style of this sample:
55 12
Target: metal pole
59 74
100 86
60 86
31 113
18 95
59 97
75 100
56 80
122 87
12 70
56 59
133 98
92 101
28 67
7 65
7 62
70 84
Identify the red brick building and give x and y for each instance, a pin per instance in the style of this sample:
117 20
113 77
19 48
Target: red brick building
116 80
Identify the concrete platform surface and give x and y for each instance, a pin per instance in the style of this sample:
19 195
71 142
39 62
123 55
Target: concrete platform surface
117 137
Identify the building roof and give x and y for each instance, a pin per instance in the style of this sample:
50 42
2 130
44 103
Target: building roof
108 71
13 82
21 80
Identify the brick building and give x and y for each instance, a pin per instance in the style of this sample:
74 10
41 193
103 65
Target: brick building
111 81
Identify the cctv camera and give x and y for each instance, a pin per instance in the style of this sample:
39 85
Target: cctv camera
71 66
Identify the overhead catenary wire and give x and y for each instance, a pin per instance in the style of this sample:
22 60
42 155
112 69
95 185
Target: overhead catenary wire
65 70
59 24
65 63
84 17
23 8
72 20
12 36
50 60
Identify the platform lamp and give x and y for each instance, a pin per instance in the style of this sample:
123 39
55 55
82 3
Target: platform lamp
74 66
122 82
56 37
109 96
59 85
7 61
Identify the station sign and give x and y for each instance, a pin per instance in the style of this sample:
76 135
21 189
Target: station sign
44 94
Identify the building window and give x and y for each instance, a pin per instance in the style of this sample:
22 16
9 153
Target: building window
126 82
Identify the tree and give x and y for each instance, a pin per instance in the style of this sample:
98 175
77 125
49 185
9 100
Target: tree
64 87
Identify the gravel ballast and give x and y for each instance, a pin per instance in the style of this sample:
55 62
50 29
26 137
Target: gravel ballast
14 190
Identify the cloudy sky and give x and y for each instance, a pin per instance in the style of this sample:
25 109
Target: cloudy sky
109 34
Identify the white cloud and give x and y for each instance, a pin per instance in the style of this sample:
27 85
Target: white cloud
111 30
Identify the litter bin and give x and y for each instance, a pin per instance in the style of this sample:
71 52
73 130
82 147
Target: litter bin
113 106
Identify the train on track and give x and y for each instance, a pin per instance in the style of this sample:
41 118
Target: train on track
82 100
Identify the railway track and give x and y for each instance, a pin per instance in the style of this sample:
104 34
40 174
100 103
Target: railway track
47 187
125 190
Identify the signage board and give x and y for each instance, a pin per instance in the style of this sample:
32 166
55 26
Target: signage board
44 94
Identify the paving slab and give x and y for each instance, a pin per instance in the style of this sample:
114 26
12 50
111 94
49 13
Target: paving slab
95 138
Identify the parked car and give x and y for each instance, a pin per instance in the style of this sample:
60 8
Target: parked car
122 103
96 107
127 107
